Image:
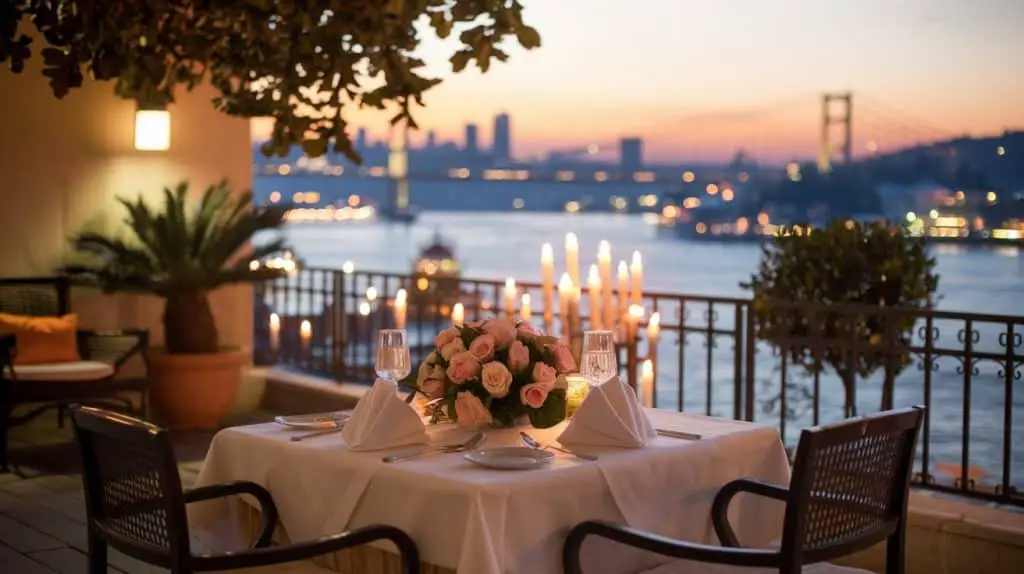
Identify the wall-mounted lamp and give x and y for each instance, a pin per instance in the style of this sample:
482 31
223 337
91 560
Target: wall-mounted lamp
152 129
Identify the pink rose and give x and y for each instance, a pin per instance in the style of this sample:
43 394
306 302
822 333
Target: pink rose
451 349
496 379
433 388
463 367
502 329
527 330
482 347
471 410
518 357
544 374
564 361
533 395
445 337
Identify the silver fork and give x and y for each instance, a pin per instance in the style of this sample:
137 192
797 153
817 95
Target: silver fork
535 444
470 444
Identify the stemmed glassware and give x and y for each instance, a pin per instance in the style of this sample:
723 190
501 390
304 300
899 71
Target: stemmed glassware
599 362
393 361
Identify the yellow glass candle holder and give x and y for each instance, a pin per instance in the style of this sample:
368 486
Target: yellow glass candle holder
577 390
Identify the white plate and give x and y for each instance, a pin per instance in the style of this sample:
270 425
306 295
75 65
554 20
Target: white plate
313 420
510 457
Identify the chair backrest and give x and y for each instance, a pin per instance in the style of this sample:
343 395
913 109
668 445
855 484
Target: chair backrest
133 491
850 486
37 296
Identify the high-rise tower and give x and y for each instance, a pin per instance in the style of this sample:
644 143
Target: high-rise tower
502 148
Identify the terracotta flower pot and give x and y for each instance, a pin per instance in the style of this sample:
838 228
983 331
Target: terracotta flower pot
193 391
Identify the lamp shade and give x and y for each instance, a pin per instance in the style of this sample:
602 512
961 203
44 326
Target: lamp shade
152 130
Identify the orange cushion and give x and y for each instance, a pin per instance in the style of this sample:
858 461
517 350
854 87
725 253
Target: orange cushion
43 339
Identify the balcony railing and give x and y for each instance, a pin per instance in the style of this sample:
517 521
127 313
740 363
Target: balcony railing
963 366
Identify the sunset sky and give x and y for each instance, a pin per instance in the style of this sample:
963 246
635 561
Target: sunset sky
700 79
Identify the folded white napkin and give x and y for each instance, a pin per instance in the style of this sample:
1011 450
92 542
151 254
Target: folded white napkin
611 415
383 420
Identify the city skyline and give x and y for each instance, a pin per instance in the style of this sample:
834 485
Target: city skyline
918 71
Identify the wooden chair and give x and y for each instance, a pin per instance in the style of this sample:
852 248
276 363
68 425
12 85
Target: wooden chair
95 379
134 503
848 492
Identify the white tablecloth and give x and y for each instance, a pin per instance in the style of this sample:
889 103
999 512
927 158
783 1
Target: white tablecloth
481 521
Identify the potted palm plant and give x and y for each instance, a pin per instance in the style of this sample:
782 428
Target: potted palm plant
181 254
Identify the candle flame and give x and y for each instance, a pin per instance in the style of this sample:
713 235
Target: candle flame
594 278
636 312
647 370
458 314
401 296
306 329
275 321
571 240
637 260
364 308
510 285
547 255
371 293
604 250
623 270
655 320
526 299
565 283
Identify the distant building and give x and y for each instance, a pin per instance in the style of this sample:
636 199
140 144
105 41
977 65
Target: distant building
631 154
472 139
502 148
361 138
431 139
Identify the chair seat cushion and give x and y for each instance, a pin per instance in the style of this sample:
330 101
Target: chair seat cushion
691 567
68 371
303 567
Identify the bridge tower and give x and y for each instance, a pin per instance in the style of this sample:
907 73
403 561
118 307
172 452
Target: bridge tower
398 169
844 121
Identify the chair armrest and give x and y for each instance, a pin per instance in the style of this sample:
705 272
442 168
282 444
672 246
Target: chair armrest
660 545
720 507
407 550
268 510
113 346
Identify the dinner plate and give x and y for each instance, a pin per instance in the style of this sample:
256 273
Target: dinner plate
313 420
510 457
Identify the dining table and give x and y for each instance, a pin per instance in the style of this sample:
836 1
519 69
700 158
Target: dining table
468 519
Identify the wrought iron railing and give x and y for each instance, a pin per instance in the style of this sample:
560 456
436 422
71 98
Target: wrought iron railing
712 357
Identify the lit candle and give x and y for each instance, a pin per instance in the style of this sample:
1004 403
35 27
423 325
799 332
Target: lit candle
647 384
636 273
564 297
576 391
547 273
604 267
401 304
305 334
458 314
510 297
594 289
275 331
525 313
654 329
633 319
623 288
572 257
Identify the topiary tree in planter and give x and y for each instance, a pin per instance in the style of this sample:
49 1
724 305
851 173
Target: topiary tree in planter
868 264
181 254
301 63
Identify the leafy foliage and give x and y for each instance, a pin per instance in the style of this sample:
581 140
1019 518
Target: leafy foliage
301 63
867 264
180 254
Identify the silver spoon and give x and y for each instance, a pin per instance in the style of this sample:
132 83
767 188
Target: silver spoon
535 444
468 445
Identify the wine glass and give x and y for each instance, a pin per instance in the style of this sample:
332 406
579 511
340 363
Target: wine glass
393 362
599 363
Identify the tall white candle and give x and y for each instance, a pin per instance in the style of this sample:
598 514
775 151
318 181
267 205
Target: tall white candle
623 289
510 297
565 289
594 289
604 267
636 274
547 274
401 305
647 384
275 331
458 315
633 319
572 257
654 328
525 312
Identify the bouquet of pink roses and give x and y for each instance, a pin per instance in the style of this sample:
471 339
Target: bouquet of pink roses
494 372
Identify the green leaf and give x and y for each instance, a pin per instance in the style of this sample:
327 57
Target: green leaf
551 412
